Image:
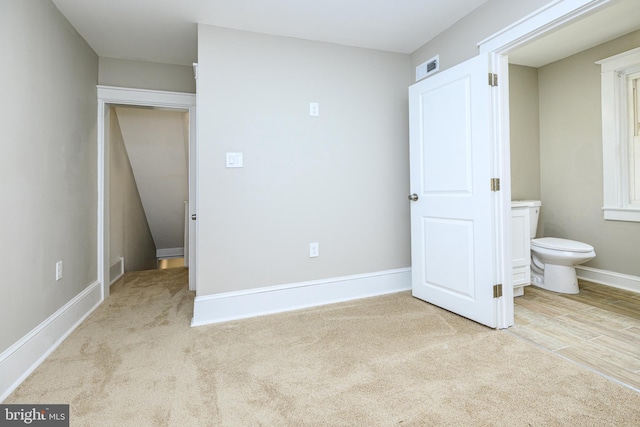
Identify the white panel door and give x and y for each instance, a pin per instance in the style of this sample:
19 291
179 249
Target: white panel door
452 250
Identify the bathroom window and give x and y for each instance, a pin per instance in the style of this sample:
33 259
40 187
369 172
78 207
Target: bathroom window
621 135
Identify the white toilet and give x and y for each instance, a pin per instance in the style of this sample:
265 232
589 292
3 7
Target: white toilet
554 260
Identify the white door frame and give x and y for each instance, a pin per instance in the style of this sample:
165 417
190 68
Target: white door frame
108 95
550 17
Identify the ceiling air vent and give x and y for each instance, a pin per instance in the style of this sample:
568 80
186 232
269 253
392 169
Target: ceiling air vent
427 68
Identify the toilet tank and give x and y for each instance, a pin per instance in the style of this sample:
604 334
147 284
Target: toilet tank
534 212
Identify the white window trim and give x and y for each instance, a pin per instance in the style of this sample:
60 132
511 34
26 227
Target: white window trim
615 167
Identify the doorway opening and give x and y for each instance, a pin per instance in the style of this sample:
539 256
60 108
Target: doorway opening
595 327
109 100
148 185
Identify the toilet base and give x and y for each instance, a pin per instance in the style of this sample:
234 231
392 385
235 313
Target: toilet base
556 278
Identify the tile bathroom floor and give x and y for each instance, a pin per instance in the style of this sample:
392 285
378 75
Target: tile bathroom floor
598 328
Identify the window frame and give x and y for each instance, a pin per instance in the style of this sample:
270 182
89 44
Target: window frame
633 126
615 135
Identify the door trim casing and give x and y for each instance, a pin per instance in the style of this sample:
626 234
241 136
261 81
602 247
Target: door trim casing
109 95
552 16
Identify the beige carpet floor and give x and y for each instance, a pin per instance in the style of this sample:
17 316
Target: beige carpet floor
384 361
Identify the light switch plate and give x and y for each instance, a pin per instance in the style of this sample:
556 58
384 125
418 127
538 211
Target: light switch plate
235 160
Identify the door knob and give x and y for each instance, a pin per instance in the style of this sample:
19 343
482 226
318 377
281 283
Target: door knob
413 197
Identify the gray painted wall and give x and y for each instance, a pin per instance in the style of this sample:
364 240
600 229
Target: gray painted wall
571 159
525 133
146 75
340 179
129 232
48 166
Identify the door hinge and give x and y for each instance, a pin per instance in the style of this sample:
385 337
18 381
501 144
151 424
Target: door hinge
495 184
493 79
497 291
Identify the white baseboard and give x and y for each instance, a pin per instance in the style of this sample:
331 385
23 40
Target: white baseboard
275 299
116 270
19 360
609 278
170 253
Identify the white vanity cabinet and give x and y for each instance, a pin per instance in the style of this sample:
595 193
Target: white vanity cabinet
520 249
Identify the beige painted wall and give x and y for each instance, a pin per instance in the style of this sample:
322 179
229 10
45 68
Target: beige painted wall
146 75
48 166
525 133
340 179
571 159
460 41
129 232
158 153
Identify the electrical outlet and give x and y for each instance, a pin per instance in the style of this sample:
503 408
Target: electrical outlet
314 249
235 160
314 109
58 270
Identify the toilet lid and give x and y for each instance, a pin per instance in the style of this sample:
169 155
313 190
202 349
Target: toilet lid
561 244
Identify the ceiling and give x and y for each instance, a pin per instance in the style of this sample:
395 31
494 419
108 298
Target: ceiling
607 24
165 30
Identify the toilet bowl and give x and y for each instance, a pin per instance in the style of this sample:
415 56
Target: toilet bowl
553 263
